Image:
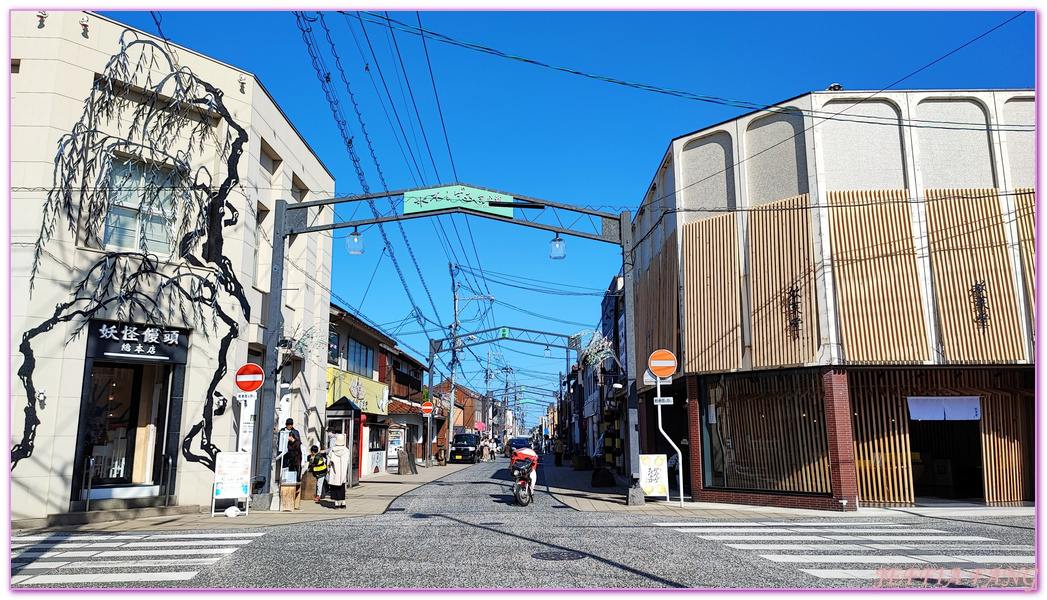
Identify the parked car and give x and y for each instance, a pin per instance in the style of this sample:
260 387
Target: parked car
466 448
515 444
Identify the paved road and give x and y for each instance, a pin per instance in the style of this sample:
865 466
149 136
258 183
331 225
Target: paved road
463 531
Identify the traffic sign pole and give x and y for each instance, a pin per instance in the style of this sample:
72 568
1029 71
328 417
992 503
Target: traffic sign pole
662 364
679 455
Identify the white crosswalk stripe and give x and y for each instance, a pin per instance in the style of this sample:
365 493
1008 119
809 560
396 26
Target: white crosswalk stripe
889 547
95 560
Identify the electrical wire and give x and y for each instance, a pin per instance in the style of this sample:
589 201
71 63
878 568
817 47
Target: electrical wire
386 21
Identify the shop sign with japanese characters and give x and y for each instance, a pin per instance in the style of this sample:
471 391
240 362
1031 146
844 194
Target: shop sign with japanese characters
137 342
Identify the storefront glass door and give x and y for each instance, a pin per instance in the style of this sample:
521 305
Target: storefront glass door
126 410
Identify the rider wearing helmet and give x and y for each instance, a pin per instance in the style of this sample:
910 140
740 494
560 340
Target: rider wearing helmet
525 453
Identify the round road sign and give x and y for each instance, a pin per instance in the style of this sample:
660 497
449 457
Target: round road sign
249 377
662 363
427 408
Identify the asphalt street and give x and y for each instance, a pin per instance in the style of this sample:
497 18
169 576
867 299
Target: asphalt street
464 531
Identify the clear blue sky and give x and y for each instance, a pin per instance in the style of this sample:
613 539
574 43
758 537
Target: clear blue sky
534 131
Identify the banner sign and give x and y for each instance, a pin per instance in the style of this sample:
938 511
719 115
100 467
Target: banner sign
654 475
137 341
456 196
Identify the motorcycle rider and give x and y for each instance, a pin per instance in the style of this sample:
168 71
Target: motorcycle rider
526 454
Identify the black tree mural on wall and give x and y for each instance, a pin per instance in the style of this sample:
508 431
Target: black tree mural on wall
135 152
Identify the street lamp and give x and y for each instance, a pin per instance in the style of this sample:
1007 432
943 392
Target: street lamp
548 353
354 244
557 248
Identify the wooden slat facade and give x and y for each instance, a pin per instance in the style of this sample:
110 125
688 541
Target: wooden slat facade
968 246
657 304
777 432
883 442
881 436
784 308
1007 443
1026 216
712 292
880 307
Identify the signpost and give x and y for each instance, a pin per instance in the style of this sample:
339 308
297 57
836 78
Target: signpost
427 410
662 364
249 378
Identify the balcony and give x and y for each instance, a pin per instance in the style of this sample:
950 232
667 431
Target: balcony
405 386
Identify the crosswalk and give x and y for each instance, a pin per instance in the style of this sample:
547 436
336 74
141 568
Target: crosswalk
95 560
891 554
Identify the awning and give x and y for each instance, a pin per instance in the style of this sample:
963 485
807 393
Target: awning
944 408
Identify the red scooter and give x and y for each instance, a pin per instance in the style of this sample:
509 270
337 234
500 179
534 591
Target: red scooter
523 469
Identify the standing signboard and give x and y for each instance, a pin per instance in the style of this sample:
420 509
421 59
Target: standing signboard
232 479
654 475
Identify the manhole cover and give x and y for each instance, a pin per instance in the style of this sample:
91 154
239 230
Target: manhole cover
559 555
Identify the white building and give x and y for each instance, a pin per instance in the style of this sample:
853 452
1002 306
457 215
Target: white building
142 175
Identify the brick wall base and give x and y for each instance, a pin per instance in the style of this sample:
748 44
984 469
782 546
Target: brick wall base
778 500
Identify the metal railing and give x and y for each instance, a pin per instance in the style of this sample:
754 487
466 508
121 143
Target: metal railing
90 477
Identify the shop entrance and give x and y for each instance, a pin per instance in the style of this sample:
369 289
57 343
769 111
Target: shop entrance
126 411
947 459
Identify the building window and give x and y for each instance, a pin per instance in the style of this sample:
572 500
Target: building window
377 439
766 434
359 359
143 208
332 348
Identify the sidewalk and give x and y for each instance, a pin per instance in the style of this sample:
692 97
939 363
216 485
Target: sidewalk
567 486
371 497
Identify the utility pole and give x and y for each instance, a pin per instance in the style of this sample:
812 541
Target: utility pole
487 395
454 356
454 342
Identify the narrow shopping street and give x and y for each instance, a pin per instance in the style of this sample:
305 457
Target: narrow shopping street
463 530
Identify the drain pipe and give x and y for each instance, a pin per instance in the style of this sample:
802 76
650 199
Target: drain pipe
90 476
167 481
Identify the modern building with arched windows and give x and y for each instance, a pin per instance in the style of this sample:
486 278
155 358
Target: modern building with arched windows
848 280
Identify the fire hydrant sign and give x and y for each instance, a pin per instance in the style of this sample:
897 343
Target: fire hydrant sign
654 475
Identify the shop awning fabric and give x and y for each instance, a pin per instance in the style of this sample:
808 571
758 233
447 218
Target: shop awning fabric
944 408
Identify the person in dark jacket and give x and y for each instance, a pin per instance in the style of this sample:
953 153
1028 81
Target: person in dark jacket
293 456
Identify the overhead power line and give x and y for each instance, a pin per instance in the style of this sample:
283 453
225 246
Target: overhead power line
386 21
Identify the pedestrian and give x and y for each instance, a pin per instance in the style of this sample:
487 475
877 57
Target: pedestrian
485 451
293 457
289 426
318 465
338 470
558 451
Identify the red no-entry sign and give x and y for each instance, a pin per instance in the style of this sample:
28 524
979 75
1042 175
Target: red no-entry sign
662 363
427 408
249 377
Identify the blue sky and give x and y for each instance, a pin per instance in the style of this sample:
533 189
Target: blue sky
539 132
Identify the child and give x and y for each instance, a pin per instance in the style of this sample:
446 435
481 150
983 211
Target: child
318 465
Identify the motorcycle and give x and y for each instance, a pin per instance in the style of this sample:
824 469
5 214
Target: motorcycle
522 470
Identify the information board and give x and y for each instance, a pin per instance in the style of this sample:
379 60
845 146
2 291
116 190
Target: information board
654 475
232 477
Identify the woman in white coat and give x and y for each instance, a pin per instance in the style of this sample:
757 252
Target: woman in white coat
338 470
